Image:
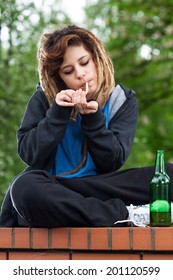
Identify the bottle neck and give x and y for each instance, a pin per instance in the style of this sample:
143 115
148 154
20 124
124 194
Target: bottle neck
160 162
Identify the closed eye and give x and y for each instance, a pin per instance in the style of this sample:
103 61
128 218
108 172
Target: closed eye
85 63
71 70
68 72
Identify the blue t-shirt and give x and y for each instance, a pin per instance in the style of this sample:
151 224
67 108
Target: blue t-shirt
70 150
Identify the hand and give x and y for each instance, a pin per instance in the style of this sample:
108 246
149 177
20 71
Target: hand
65 98
70 98
92 107
80 101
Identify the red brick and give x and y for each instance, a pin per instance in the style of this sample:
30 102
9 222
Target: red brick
164 238
3 256
22 238
99 239
141 239
108 243
156 256
39 238
79 238
105 256
5 237
38 256
60 238
121 238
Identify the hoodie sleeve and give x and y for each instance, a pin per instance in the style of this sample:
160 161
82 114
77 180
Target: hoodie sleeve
110 147
41 129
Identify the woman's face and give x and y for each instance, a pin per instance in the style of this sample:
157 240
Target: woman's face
78 68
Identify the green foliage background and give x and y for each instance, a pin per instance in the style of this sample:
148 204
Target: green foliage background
139 37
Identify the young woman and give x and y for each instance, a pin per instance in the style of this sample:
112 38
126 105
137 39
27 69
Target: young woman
76 133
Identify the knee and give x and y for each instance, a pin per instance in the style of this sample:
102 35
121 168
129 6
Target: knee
19 187
25 187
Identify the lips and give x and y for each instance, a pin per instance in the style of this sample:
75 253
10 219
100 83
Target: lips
83 85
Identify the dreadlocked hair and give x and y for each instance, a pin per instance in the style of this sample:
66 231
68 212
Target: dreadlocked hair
50 57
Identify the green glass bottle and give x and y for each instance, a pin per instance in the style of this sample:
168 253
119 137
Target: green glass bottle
160 194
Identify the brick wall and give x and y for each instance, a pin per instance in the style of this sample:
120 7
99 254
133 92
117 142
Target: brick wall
128 243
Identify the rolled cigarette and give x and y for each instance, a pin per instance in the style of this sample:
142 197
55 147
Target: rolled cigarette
86 87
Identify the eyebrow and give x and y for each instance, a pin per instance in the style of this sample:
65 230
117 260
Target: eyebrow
66 66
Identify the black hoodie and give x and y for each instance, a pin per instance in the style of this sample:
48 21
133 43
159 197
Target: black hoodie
43 127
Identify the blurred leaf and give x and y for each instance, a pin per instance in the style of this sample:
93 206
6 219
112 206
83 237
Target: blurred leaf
21 26
139 38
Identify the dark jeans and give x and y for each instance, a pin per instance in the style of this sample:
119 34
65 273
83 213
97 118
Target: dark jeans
42 200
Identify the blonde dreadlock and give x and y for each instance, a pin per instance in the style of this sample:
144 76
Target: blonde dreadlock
50 57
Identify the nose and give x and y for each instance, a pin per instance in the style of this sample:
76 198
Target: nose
80 72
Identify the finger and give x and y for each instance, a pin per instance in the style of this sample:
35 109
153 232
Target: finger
76 96
70 92
66 104
63 98
81 97
92 105
81 109
67 98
